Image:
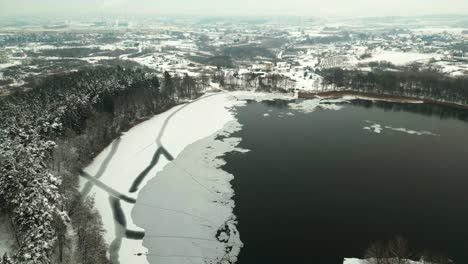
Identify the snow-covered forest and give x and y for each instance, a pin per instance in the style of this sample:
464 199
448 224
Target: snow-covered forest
411 81
48 134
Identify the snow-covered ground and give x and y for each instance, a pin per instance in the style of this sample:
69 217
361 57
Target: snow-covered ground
453 68
401 58
438 30
7 239
9 64
96 59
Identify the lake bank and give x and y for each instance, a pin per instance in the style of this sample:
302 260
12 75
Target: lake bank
349 94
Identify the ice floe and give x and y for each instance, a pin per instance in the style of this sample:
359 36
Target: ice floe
310 105
370 261
378 128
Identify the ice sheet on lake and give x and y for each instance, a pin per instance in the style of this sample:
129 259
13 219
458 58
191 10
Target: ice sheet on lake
378 128
370 261
370 98
260 96
191 199
120 163
310 105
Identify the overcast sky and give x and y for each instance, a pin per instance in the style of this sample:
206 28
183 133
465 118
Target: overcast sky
237 7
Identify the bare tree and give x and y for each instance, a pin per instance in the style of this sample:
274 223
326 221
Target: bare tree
3 57
377 253
399 250
205 81
62 239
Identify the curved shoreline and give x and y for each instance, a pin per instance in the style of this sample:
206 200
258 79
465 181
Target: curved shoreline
377 96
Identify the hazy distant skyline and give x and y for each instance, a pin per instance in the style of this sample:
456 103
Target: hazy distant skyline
315 8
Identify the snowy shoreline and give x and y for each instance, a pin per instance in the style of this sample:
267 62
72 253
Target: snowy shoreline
353 95
135 153
191 200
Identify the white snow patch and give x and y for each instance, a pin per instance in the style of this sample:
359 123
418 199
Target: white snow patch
438 30
7 239
401 58
376 128
9 64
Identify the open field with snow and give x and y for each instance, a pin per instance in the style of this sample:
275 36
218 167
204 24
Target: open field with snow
400 58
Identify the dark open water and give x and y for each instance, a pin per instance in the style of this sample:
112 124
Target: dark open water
317 187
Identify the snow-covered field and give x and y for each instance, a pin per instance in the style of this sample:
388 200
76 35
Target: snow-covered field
453 68
438 30
401 58
9 64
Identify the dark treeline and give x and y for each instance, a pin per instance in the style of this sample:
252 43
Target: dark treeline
406 81
326 39
218 61
269 82
250 51
67 52
48 134
44 37
441 111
